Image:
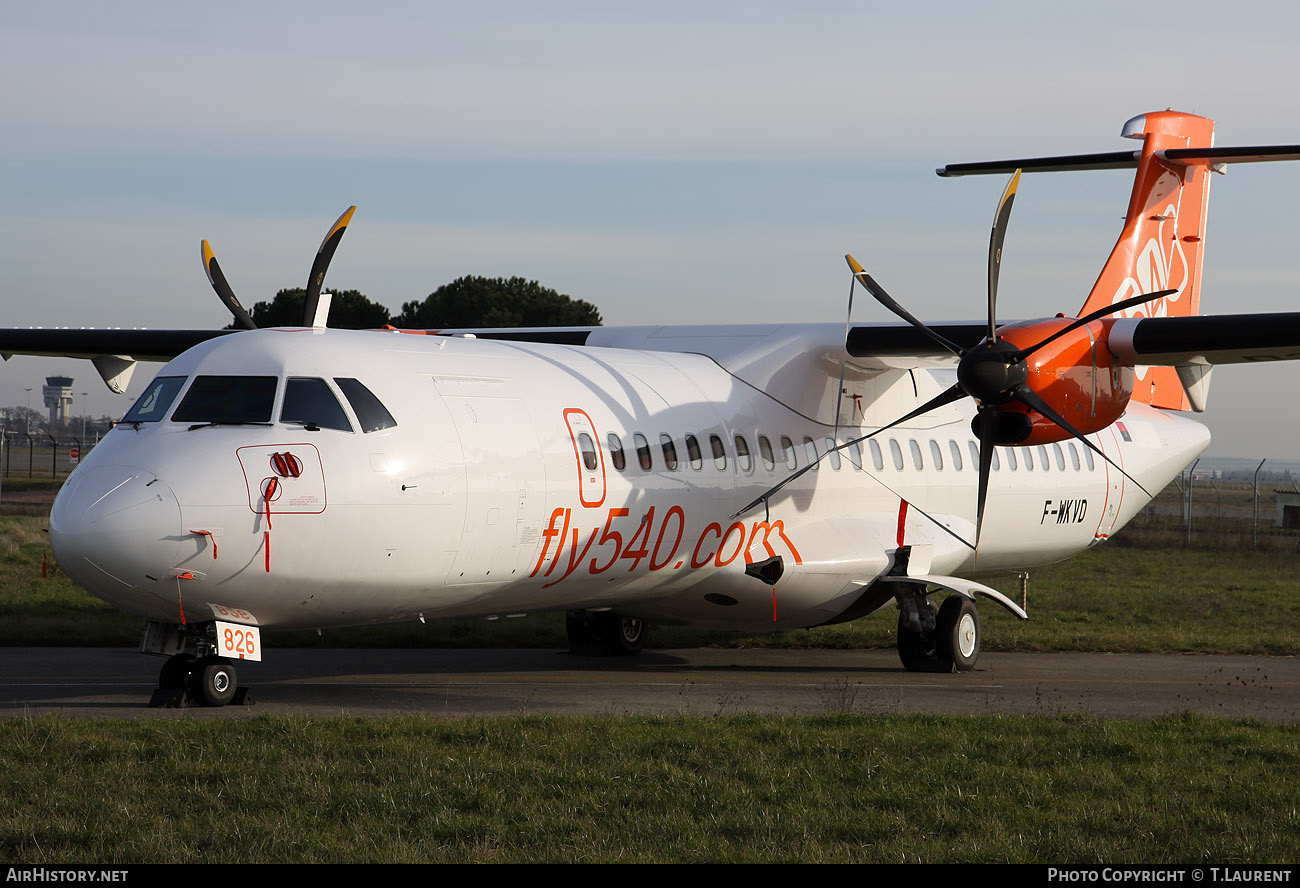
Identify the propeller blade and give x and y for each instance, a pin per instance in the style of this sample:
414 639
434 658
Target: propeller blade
224 291
986 466
878 292
839 396
996 237
1094 315
955 393
316 280
1030 398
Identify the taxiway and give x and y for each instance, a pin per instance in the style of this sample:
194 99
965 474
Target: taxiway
703 681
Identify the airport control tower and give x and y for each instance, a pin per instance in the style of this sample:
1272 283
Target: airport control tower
58 397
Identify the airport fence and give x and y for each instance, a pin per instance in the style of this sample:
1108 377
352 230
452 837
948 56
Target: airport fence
1204 511
41 456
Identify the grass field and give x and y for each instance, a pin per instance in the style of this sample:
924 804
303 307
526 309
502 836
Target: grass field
840 788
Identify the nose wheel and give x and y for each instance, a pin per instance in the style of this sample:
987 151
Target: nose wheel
213 681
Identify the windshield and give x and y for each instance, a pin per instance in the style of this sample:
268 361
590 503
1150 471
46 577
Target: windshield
152 406
309 401
370 412
227 399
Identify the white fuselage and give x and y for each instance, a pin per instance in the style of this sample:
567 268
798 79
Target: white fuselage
488 497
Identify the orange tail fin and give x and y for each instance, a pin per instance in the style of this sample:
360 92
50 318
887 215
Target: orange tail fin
1162 243
1164 231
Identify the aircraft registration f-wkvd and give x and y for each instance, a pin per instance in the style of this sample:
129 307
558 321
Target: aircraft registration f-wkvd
751 477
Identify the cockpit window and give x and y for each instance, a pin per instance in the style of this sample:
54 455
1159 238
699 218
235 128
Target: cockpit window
309 401
222 399
152 406
371 413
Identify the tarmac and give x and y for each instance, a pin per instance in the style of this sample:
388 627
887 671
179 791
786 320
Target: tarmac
118 683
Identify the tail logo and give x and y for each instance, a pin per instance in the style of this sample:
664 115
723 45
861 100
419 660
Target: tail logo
1154 270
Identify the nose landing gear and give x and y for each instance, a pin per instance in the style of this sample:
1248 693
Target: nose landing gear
204 678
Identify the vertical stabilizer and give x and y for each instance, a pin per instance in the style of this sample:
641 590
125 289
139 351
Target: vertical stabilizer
1162 244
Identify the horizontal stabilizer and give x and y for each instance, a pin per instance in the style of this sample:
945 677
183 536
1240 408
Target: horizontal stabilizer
1119 160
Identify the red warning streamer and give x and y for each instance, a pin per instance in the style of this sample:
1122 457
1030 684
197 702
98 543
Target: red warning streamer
208 534
272 484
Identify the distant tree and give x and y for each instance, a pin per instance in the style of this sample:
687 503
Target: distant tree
349 310
20 420
496 302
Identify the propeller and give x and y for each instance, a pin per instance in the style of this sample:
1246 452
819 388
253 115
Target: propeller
994 373
315 280
321 264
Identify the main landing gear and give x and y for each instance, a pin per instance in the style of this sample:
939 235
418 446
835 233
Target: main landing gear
937 639
604 632
201 678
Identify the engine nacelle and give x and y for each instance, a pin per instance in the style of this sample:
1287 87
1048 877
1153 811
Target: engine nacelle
1076 374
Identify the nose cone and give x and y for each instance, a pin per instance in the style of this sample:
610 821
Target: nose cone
115 530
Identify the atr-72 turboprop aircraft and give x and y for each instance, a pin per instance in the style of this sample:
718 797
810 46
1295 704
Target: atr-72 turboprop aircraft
749 477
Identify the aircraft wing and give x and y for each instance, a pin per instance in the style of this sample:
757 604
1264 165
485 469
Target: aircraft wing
1204 340
1207 339
138 345
113 352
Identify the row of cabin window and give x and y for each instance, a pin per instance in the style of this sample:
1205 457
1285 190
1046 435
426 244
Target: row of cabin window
851 450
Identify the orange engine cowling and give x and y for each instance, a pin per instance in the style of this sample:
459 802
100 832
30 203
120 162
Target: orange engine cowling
1076 374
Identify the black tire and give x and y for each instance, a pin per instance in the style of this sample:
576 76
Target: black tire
213 681
919 651
624 636
958 632
604 634
578 627
175 673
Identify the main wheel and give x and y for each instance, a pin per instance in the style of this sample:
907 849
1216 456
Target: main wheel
624 636
958 632
213 681
605 633
919 651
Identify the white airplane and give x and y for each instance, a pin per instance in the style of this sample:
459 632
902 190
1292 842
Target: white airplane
747 477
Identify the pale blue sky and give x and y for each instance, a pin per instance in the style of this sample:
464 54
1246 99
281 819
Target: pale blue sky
669 162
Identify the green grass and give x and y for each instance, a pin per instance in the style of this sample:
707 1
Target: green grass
837 788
